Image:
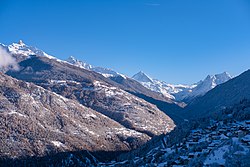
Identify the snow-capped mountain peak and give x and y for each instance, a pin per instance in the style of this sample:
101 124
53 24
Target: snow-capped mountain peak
210 82
180 92
22 51
221 78
21 43
154 84
213 80
74 61
142 77
20 48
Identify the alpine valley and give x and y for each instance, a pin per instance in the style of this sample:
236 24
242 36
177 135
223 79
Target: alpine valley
69 113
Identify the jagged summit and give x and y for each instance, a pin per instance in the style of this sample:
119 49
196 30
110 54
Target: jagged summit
22 49
20 42
181 92
221 78
227 94
159 86
210 82
213 80
142 77
76 62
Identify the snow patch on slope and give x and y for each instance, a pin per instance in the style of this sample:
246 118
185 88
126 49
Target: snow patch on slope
57 144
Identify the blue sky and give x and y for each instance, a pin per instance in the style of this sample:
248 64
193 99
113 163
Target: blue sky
177 41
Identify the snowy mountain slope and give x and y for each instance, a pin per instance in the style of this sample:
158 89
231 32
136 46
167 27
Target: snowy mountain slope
95 91
137 120
38 122
124 82
159 98
182 92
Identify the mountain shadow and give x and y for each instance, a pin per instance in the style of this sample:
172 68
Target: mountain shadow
67 159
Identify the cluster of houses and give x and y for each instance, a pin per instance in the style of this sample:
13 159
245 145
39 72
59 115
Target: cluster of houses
202 142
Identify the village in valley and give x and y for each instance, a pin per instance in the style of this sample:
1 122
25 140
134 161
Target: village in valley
210 144
203 146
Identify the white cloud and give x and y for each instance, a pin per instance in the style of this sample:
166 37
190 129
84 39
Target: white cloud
6 60
152 4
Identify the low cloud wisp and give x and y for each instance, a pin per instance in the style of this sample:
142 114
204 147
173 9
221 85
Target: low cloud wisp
6 60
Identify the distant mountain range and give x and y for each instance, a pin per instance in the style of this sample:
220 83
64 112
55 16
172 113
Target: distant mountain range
222 96
175 92
182 92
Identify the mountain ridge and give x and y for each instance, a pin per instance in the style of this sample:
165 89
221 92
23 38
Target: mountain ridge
223 95
91 89
36 121
180 92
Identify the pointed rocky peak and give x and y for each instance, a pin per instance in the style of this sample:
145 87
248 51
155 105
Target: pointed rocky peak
223 77
142 77
78 63
21 43
217 79
210 82
71 59
209 78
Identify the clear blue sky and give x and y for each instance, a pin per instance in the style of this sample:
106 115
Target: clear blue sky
178 41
